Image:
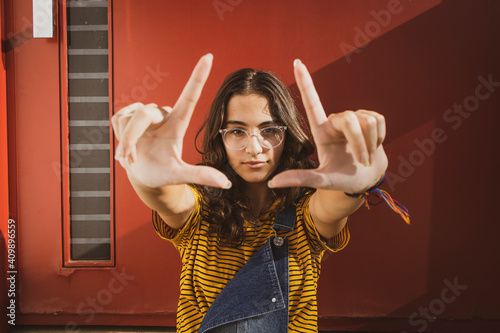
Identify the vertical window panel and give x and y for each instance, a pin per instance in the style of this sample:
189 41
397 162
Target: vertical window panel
88 150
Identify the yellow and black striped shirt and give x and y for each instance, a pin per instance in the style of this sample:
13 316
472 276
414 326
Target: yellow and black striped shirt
207 266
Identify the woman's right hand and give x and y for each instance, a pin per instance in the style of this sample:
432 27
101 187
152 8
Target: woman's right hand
150 138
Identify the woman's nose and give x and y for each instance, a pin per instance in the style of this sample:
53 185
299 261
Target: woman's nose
254 148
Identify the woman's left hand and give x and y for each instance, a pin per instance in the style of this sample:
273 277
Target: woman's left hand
349 145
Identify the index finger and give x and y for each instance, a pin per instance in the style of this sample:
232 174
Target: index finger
310 98
186 103
139 122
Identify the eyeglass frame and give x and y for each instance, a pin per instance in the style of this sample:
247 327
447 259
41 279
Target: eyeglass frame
223 132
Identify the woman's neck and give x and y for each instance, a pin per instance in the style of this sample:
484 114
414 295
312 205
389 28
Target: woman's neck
259 195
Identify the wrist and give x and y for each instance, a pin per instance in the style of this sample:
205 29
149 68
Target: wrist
368 190
374 191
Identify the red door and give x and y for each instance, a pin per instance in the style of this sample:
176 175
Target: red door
88 254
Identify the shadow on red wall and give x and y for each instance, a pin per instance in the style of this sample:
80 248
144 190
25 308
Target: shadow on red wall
436 79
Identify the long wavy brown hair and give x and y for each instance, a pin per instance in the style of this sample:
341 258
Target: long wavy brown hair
228 208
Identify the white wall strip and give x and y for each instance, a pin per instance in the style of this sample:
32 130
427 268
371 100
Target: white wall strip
90 194
89 146
103 123
90 241
90 217
89 3
89 170
88 99
87 51
87 27
88 76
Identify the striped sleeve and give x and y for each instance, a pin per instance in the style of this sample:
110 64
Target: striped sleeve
179 237
334 244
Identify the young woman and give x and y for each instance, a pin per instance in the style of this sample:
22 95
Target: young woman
254 219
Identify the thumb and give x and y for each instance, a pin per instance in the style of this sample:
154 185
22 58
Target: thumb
298 178
205 175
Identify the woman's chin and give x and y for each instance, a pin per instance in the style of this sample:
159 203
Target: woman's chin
256 179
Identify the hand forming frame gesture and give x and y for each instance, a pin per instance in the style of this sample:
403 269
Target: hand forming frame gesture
349 144
151 138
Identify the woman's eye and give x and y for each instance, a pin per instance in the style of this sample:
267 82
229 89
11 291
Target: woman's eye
270 130
236 131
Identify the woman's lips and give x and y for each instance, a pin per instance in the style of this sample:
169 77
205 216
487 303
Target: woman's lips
255 164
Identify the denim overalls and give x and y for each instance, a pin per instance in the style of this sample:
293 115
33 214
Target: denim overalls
256 299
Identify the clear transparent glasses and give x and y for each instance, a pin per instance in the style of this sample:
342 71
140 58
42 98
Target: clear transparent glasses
238 139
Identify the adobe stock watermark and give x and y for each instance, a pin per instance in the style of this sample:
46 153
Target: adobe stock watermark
102 298
437 306
41 17
139 93
98 134
11 272
223 6
371 30
454 116
13 41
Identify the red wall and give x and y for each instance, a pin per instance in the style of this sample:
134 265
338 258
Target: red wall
416 70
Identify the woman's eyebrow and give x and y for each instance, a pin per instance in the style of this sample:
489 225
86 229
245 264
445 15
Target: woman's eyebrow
241 123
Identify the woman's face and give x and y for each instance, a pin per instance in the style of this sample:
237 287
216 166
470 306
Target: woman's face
254 163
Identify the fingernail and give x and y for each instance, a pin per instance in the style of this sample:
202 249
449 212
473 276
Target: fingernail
210 56
296 62
122 163
119 152
270 184
228 185
364 159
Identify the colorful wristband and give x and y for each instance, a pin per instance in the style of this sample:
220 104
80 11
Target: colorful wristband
375 191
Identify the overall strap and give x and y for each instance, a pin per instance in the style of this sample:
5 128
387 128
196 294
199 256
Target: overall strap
285 220
256 299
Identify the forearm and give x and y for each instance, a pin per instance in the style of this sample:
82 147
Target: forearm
174 203
330 209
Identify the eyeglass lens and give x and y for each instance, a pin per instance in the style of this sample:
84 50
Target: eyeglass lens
269 137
